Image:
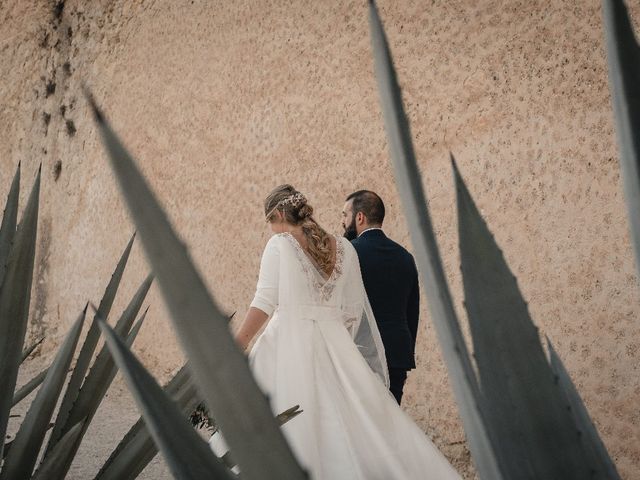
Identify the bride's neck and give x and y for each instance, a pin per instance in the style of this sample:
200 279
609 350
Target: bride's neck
294 230
297 233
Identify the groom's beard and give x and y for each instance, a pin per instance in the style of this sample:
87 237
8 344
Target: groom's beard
350 233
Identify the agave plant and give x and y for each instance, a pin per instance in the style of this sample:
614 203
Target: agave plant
522 414
84 392
15 290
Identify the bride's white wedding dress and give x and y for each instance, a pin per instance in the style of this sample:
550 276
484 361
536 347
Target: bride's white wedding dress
322 350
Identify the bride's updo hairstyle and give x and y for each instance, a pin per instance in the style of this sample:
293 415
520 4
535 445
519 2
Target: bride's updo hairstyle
297 211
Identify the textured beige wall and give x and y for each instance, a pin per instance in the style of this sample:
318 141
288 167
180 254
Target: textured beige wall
221 101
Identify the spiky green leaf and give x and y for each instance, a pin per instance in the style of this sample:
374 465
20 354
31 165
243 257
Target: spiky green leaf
53 466
22 458
623 56
61 424
524 406
29 387
9 220
598 458
133 333
409 184
187 455
219 368
15 295
28 351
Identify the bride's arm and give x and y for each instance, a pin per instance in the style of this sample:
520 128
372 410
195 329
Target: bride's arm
253 321
265 300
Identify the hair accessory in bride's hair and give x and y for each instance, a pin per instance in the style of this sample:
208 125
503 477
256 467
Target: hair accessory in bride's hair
295 200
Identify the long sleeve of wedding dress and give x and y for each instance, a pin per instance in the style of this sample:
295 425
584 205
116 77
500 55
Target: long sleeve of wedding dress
266 296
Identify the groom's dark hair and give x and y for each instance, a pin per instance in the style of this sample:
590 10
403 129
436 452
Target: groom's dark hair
369 203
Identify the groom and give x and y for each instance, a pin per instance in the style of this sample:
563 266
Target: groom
391 280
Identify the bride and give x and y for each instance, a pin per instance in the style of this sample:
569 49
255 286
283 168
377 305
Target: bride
322 350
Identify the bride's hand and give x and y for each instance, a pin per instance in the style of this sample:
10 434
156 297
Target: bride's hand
252 323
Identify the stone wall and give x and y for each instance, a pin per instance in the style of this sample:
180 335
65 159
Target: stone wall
221 101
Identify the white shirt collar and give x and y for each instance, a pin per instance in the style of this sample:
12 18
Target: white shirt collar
369 229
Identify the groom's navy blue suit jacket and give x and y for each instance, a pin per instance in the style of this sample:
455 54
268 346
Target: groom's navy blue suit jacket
391 281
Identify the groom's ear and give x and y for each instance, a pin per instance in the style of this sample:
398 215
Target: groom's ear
360 218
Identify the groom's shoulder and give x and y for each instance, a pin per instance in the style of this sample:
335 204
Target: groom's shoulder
401 250
358 244
366 241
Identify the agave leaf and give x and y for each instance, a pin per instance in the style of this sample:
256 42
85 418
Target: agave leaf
61 424
103 371
597 453
29 387
9 219
22 458
623 56
53 465
133 333
525 407
187 455
409 183
30 350
137 448
15 295
219 368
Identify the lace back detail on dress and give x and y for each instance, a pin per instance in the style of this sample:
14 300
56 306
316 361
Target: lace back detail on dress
324 289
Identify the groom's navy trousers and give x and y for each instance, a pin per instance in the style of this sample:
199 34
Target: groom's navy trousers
391 281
